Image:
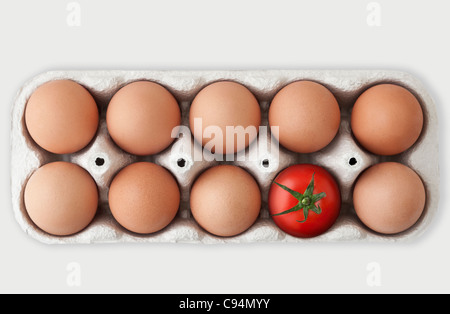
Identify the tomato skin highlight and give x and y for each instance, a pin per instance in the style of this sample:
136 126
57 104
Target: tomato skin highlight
297 178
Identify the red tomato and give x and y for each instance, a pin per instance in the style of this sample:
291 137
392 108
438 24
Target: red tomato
304 200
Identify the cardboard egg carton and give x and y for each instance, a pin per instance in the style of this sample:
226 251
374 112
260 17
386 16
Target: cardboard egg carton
343 158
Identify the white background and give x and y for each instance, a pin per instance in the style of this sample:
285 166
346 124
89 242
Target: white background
236 34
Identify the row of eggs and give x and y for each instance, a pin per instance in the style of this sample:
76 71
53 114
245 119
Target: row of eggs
62 117
61 198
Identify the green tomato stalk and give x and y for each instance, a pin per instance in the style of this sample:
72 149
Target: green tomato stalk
306 201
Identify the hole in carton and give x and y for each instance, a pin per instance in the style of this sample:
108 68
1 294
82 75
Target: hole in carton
265 163
99 161
181 162
352 161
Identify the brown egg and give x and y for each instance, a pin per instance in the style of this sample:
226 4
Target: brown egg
141 117
62 117
221 105
144 197
307 114
61 198
225 200
389 197
387 119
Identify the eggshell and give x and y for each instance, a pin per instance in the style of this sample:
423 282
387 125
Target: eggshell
387 119
61 198
221 105
141 118
62 117
389 197
144 197
225 200
307 114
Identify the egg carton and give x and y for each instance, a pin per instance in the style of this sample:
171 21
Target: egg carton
344 158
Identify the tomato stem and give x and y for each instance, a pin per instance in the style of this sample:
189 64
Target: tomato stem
306 201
